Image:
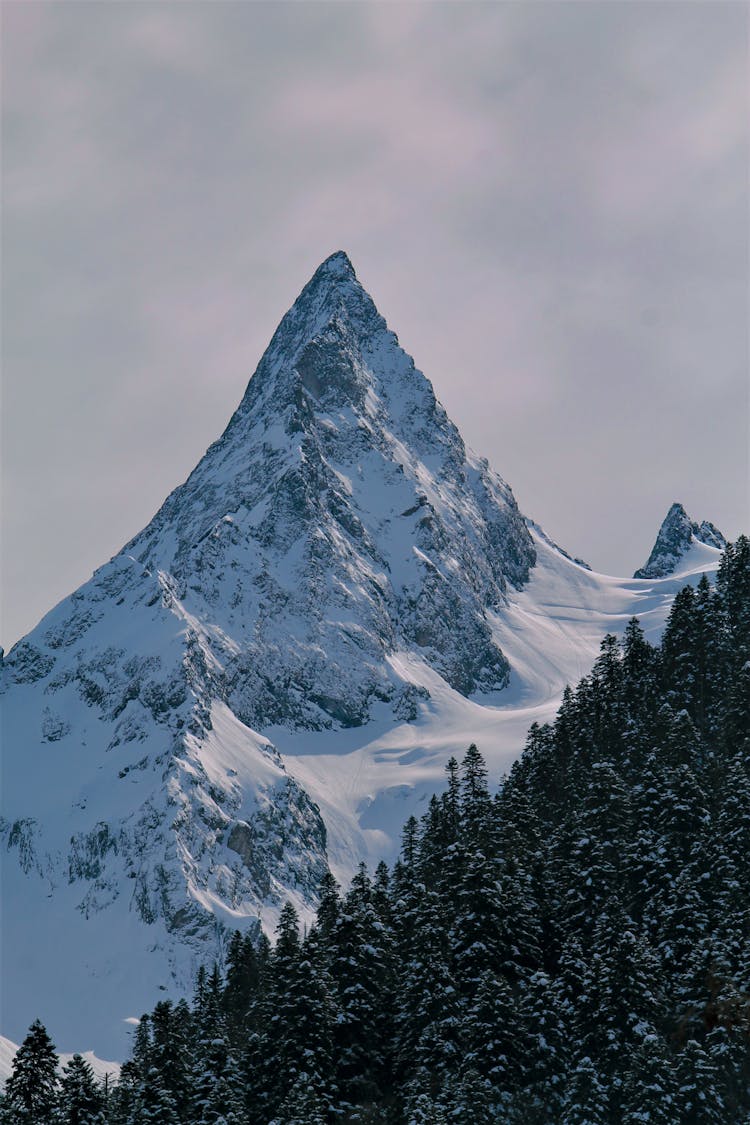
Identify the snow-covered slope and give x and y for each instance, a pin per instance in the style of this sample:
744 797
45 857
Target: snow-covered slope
679 541
373 778
271 676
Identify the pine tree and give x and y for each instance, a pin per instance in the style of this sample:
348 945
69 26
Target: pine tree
639 664
728 1048
733 827
451 803
479 938
678 649
619 985
381 899
649 1088
121 1098
217 1098
543 1043
202 989
152 1104
214 1088
329 908
303 1105
476 805
170 1051
142 1044
360 969
298 1014
468 1099
586 1097
423 1109
428 1010
698 1100
490 1031
241 982
32 1090
81 1100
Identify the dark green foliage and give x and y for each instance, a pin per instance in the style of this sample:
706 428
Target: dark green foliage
172 1035
574 949
303 1105
32 1090
81 1100
241 981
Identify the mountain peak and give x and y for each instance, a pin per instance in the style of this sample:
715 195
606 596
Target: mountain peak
332 290
676 512
334 279
332 304
677 534
341 492
336 265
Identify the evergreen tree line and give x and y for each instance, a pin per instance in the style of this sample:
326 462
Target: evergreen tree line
574 950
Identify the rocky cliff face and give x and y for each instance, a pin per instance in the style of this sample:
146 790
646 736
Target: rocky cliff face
677 534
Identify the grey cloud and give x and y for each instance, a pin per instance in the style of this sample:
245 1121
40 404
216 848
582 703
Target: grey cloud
548 201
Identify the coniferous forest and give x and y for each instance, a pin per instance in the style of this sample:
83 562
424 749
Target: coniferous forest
571 950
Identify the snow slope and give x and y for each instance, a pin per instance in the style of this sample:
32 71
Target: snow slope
378 775
270 677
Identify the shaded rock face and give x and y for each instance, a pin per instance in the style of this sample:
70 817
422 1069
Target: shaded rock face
676 535
338 522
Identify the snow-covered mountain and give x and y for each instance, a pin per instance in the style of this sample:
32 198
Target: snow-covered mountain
270 677
678 538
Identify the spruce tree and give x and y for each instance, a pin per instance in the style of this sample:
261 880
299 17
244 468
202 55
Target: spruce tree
423 1109
32 1090
296 1020
428 1015
698 1100
170 1052
152 1102
649 1088
587 1096
360 973
303 1105
216 1094
81 1100
241 982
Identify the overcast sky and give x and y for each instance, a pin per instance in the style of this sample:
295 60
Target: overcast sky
547 201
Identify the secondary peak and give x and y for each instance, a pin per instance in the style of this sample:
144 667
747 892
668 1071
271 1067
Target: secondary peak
676 536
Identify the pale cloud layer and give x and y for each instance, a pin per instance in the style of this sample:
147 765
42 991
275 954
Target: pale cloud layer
547 201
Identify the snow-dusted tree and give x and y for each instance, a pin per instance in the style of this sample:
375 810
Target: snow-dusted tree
152 1103
423 1107
81 1100
303 1105
217 1096
698 1099
241 981
586 1097
648 1091
31 1092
